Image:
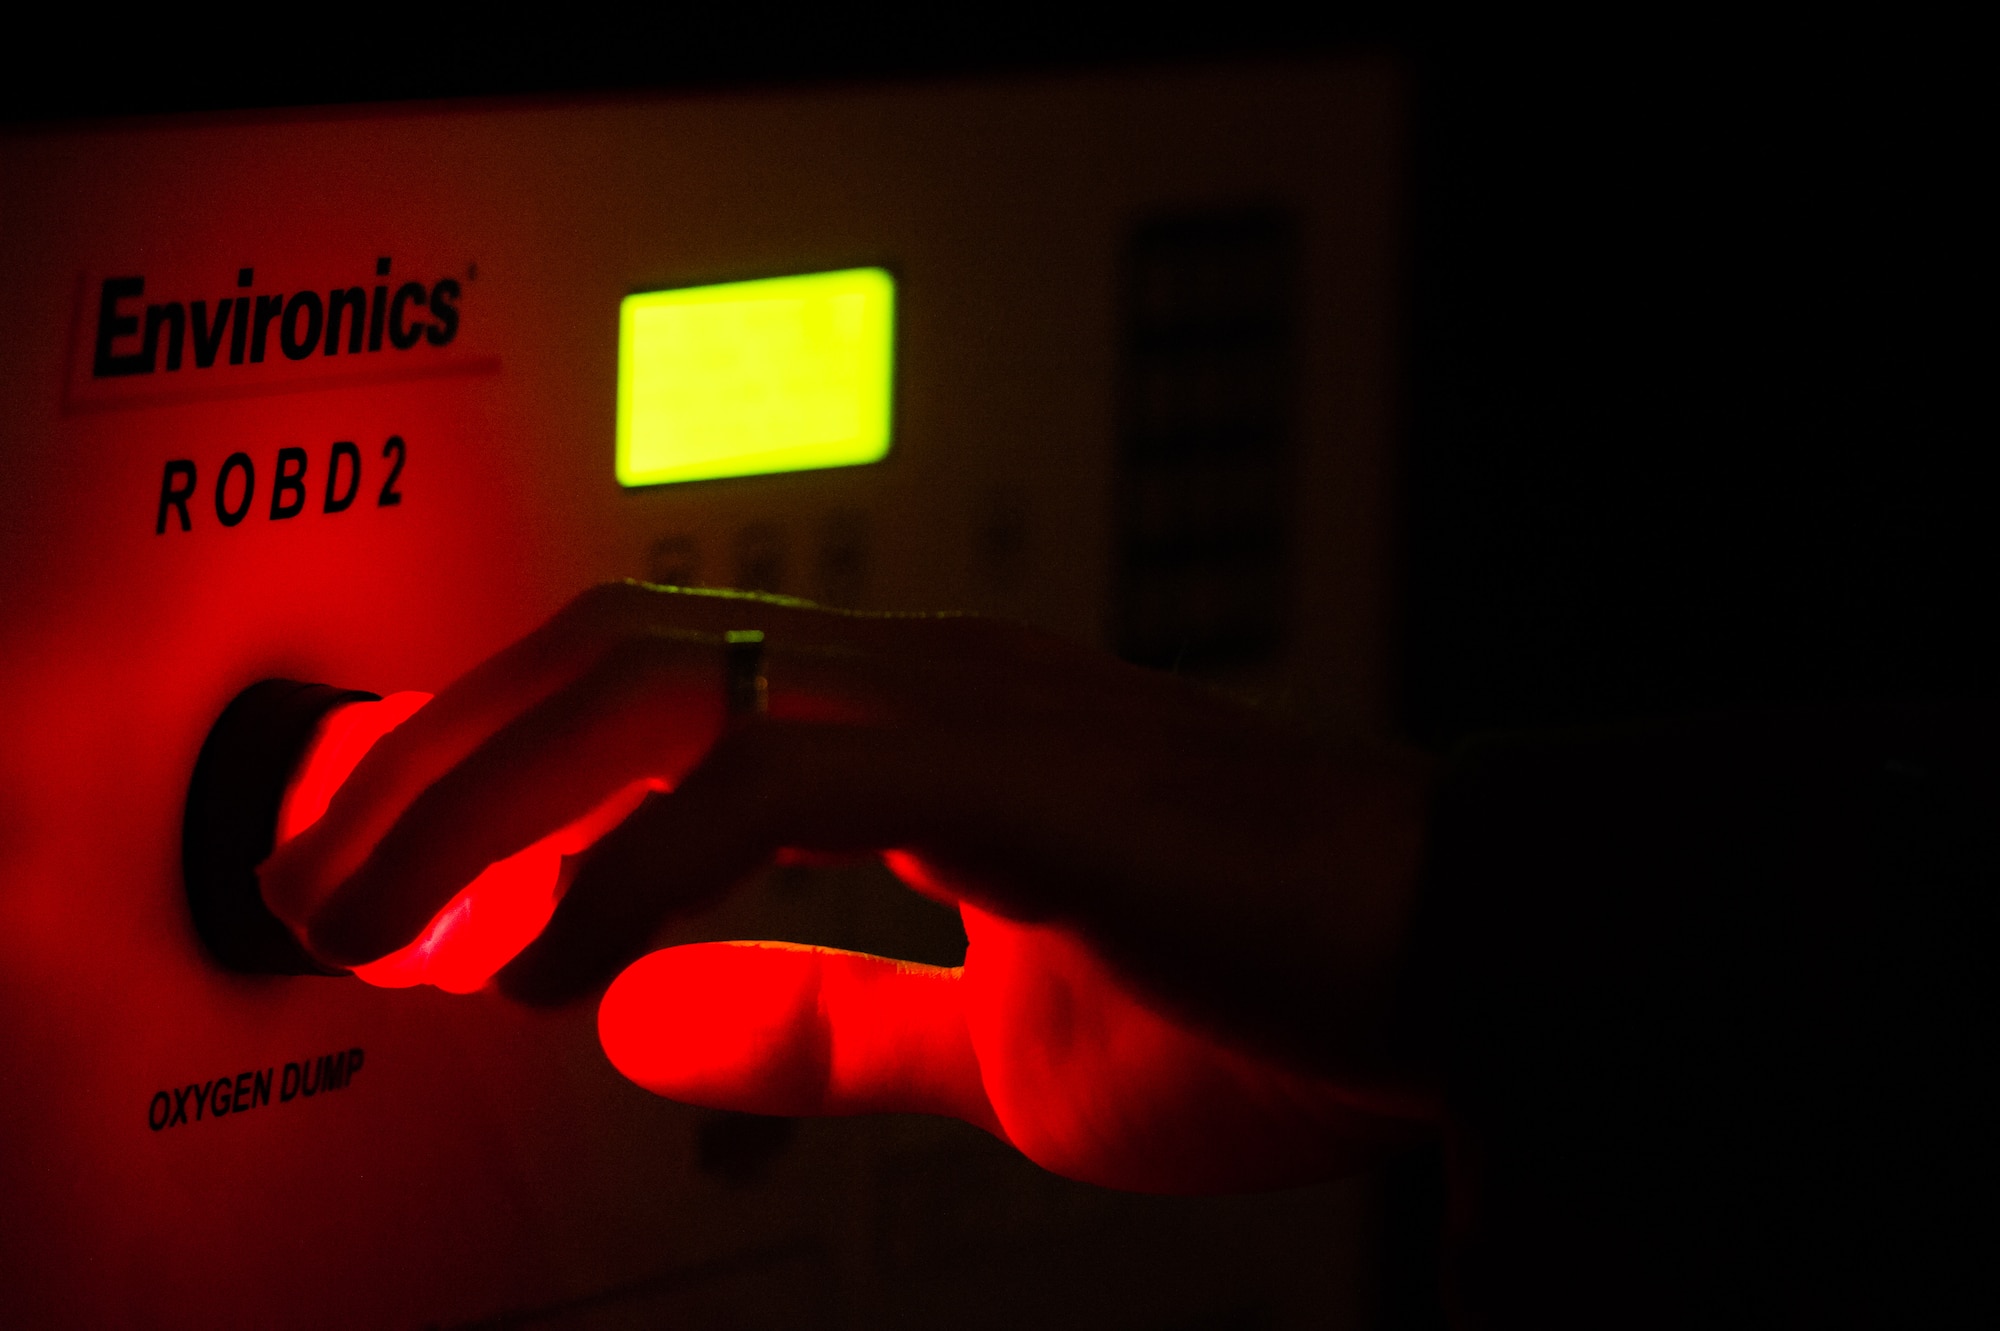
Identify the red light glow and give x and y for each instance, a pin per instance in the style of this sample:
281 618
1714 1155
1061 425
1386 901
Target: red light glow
494 916
1033 1039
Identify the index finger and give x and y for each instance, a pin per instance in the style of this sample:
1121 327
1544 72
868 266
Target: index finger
303 873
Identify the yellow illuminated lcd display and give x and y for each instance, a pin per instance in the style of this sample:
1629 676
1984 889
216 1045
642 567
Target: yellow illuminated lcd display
747 378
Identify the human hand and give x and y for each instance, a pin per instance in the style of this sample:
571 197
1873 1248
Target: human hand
1143 883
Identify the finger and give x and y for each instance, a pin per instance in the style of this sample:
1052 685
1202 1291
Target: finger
646 711
775 1028
665 861
763 787
493 694
406 761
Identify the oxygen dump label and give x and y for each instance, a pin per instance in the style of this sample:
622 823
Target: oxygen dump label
150 338
219 1097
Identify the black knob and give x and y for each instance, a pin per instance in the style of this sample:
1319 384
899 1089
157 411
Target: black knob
231 822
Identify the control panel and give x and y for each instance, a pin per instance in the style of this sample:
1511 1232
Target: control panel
333 404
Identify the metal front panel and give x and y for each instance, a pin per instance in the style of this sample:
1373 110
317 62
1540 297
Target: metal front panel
484 1162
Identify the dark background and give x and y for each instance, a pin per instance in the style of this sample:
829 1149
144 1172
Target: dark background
1694 318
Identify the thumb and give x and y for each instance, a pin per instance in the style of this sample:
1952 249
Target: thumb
777 1028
